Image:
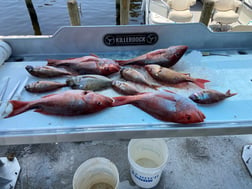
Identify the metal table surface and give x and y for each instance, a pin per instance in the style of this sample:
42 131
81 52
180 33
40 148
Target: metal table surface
232 116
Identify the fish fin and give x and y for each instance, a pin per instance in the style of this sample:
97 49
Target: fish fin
156 52
122 100
229 94
171 98
42 112
121 62
18 107
48 95
92 54
166 90
200 82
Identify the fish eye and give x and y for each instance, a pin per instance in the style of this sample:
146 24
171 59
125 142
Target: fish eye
99 103
188 117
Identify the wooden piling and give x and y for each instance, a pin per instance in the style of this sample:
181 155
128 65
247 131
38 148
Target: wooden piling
117 12
122 12
33 16
206 12
73 12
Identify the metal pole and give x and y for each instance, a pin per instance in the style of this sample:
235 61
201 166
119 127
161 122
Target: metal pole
33 16
73 12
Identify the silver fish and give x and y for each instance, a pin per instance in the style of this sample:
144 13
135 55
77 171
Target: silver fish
89 82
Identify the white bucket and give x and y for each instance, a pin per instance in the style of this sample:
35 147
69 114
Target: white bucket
147 158
96 173
5 51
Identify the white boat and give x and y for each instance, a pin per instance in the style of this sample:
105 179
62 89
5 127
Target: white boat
161 12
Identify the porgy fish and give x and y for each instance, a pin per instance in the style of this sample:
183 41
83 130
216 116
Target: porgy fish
43 86
46 71
163 57
89 82
165 106
125 87
87 65
68 103
210 96
135 76
170 76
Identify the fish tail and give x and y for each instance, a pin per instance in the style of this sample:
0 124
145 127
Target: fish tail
122 100
18 107
121 62
200 82
229 94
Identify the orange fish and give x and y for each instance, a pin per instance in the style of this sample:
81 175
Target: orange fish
169 76
165 106
46 71
68 103
163 57
135 76
125 87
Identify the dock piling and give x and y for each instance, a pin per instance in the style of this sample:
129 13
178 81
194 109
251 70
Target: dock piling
73 12
122 12
33 16
206 11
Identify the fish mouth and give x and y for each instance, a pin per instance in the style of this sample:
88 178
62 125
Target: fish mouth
180 50
29 68
195 117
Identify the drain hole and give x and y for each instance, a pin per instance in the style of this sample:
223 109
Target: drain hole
242 52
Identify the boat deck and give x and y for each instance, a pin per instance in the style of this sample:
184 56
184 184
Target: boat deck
158 17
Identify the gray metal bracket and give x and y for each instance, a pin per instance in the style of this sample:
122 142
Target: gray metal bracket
9 171
247 157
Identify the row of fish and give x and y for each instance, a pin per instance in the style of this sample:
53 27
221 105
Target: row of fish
163 105
91 73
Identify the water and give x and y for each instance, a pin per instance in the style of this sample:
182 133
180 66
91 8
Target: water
147 163
53 14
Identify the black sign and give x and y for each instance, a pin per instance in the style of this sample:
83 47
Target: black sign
130 39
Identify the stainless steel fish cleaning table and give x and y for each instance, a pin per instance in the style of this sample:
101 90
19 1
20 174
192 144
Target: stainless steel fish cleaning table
234 72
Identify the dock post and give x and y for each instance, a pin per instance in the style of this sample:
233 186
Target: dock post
206 11
122 12
73 12
33 16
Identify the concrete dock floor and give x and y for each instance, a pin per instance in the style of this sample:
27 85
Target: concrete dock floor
193 162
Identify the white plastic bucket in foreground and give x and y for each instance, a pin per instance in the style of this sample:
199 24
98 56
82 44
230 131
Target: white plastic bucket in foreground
147 158
5 51
96 173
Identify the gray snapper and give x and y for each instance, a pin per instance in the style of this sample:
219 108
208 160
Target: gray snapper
89 82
